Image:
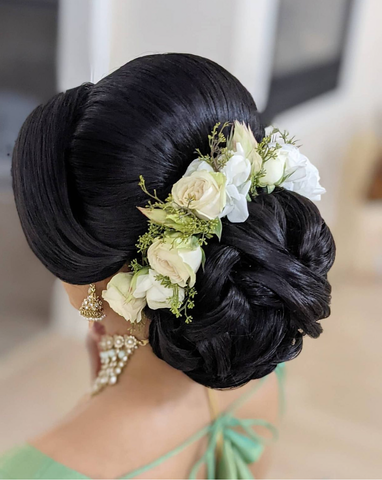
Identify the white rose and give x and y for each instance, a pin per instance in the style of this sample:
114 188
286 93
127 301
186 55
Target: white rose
197 165
119 294
237 171
176 258
203 192
303 177
244 139
157 295
274 169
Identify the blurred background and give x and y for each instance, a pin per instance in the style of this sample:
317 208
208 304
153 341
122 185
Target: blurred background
314 68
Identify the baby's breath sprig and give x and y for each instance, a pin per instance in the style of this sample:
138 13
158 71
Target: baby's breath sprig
189 303
219 154
135 266
217 138
285 136
175 303
145 240
154 195
267 148
178 308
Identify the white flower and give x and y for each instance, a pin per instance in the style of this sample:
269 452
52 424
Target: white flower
119 294
203 192
156 294
292 171
237 171
243 136
198 165
303 177
274 169
176 258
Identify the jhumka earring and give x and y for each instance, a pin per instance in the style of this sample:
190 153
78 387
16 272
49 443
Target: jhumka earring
91 308
115 352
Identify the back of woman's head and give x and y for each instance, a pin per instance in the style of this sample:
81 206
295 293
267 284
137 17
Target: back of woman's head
76 167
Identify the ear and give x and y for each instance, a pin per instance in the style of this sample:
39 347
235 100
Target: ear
76 293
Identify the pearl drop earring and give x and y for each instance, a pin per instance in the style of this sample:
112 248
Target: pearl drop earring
115 352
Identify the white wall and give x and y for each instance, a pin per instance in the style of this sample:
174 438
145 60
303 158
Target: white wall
146 26
231 32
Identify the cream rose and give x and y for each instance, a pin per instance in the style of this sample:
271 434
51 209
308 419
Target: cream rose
119 294
176 258
202 192
156 294
274 170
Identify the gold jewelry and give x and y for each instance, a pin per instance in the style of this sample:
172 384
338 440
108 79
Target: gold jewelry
91 308
138 328
115 351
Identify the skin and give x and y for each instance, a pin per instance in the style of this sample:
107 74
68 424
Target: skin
151 410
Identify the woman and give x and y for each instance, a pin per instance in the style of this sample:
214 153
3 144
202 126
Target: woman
213 286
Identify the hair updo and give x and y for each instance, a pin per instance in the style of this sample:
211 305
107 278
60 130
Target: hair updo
76 167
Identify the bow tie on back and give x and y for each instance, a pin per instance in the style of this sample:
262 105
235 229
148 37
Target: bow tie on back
232 446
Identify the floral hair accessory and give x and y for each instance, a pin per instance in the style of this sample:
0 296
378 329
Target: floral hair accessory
214 186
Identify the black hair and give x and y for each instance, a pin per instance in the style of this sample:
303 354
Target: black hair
76 166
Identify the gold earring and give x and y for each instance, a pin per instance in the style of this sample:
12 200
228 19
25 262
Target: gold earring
91 308
138 328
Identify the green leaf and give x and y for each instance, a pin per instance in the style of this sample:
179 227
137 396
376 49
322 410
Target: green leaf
219 229
203 258
156 215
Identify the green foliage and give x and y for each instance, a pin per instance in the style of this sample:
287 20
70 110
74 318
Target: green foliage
189 303
219 154
145 240
175 304
268 147
177 307
135 266
142 184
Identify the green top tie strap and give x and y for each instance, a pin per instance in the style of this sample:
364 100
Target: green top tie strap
240 447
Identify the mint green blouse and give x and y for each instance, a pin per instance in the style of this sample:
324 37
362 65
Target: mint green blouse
240 446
